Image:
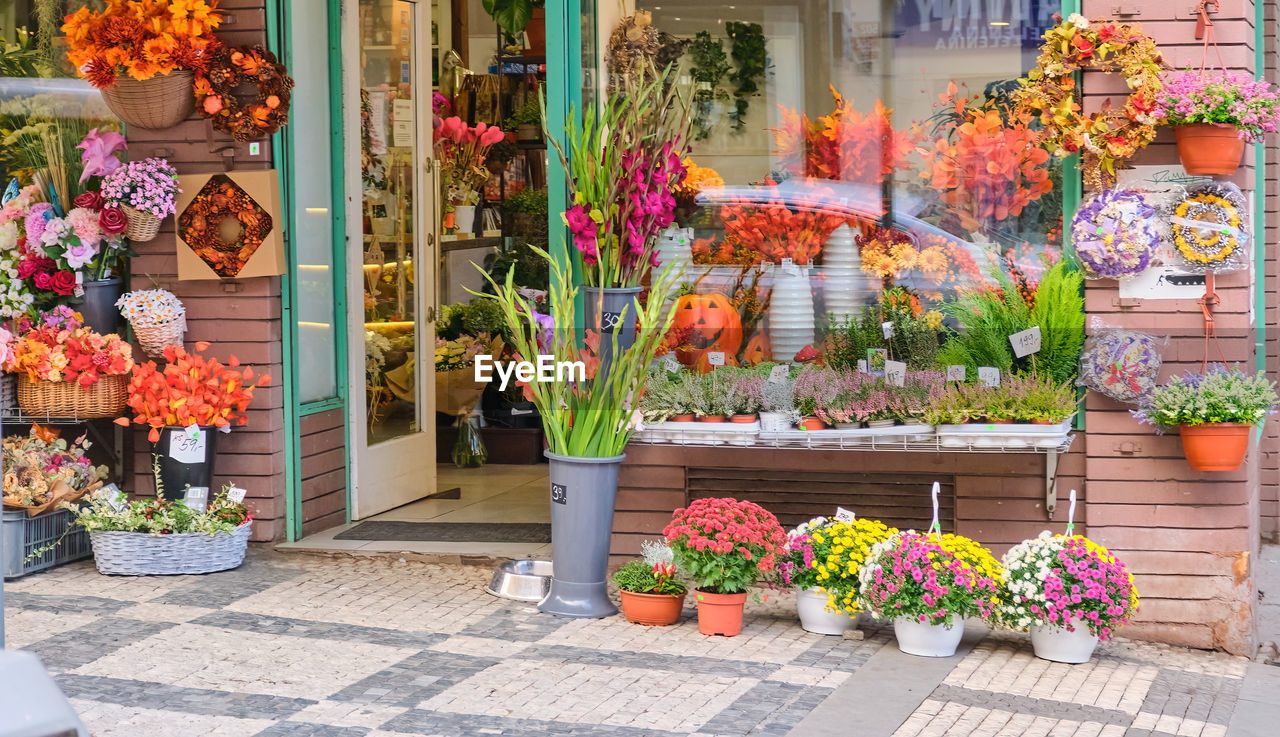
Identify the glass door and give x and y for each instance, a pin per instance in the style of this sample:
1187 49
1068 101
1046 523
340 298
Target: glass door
392 220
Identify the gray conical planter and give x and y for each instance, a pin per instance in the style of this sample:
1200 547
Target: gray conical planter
603 310
99 306
582 498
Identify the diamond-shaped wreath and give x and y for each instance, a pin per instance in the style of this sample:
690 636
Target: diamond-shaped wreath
200 224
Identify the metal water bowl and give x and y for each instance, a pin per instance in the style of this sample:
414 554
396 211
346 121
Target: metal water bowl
521 580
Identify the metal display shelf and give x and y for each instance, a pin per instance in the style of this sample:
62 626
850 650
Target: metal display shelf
109 439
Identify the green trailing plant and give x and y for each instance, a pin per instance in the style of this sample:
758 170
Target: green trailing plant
528 114
748 52
709 67
591 415
641 577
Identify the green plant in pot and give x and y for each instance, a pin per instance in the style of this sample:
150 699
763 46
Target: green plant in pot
650 593
526 121
1215 412
1039 400
588 416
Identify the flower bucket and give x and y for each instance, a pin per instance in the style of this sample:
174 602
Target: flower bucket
99 305
927 640
142 554
143 226
720 614
157 103
605 308
583 490
811 605
464 219
1060 646
1216 446
1209 148
179 469
654 610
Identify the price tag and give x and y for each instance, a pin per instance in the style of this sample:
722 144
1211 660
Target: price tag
895 372
197 498
989 375
116 498
184 448
876 359
1026 342
778 374
236 494
192 431
224 429
516 411
887 329
715 358
609 321
670 363
789 267
955 373
559 493
862 365
844 515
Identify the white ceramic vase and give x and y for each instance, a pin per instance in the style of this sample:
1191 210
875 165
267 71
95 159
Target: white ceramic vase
811 605
1060 646
464 219
790 313
843 283
928 640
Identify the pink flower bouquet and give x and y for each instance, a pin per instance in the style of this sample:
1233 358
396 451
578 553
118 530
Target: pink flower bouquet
1224 98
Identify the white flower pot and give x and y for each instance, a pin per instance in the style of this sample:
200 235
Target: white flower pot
774 422
928 640
464 219
844 285
791 325
811 605
1060 646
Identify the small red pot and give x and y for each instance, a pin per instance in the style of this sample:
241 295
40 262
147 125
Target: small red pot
743 419
680 418
812 423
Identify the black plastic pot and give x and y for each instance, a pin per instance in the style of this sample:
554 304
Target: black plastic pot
174 476
99 306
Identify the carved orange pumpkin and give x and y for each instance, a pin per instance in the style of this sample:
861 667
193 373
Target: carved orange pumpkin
757 350
711 324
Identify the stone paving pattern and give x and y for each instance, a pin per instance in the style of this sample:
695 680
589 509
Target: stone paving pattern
317 646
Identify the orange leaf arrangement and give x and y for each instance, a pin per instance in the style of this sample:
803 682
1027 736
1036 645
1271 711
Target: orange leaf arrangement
230 68
984 169
775 231
141 38
192 389
845 145
68 351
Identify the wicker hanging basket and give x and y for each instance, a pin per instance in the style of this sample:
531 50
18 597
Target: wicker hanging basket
157 103
143 226
64 399
155 338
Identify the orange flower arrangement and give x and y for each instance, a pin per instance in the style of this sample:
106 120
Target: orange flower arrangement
984 169
231 68
70 353
191 390
141 38
846 145
775 231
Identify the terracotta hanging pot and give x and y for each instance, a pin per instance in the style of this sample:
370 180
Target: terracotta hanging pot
655 610
720 614
1216 446
1209 148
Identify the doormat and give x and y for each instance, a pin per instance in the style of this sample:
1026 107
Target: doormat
449 532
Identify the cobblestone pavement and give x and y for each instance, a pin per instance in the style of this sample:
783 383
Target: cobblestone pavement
377 647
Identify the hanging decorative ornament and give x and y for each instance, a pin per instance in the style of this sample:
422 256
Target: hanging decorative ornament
1210 228
245 65
1114 234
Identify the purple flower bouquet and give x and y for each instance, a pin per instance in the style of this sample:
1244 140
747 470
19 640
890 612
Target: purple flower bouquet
1114 234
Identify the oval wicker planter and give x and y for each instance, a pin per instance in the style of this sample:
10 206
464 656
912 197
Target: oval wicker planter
157 103
143 226
143 554
106 398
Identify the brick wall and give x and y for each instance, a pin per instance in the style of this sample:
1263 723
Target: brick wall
241 316
323 471
1188 536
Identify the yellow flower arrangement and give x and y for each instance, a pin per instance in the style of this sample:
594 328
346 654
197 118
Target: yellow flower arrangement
849 545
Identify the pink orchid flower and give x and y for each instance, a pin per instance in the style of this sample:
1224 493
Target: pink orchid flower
99 149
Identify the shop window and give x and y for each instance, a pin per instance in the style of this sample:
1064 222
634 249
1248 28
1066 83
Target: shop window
867 150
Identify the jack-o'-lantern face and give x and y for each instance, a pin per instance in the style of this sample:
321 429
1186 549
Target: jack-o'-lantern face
711 324
757 350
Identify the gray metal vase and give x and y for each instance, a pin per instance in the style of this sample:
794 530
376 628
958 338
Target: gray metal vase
603 310
99 306
582 500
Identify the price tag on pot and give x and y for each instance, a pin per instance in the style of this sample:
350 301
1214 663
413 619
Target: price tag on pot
192 430
224 429
989 375
887 329
236 494
895 372
844 515
1026 342
778 374
955 373
862 365
116 498
184 448
715 358
609 321
559 493
197 498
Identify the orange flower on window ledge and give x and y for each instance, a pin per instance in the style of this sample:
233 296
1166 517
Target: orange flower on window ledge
775 231
141 38
845 145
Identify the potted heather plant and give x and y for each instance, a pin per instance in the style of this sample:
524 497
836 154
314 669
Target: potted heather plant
821 561
725 546
1214 114
1069 591
777 402
928 583
721 395
1039 401
185 405
1215 413
749 389
815 387
650 593
910 402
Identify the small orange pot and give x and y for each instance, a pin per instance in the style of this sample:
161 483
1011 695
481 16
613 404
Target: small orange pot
1209 148
743 419
720 614
653 610
681 418
1217 446
812 423
711 418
